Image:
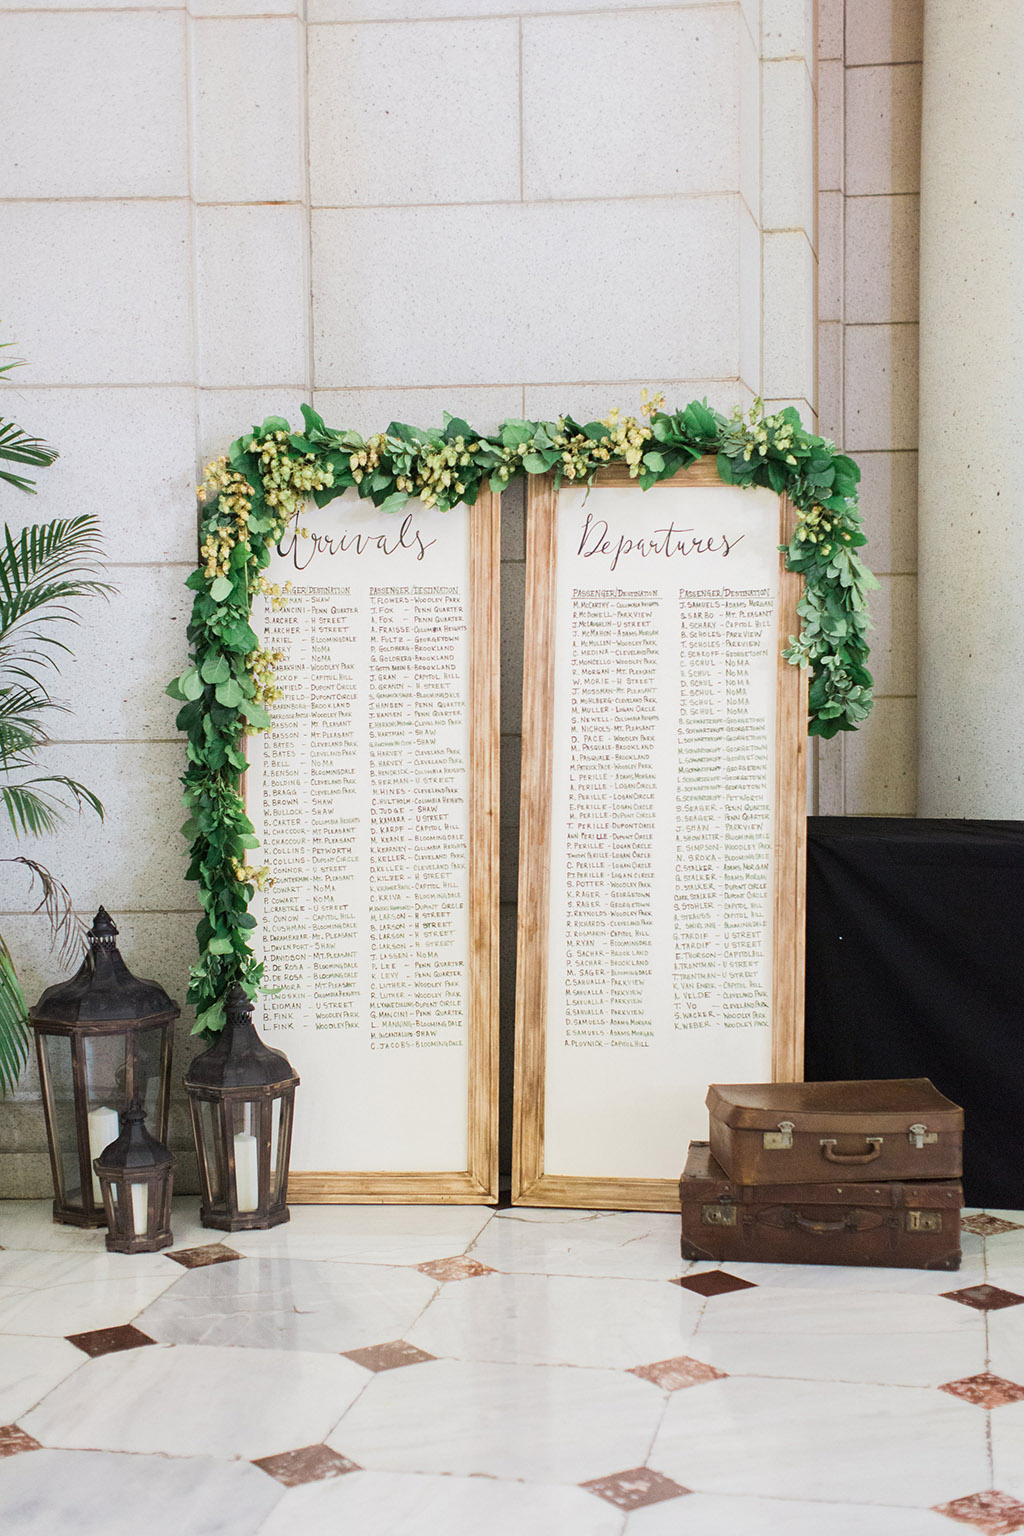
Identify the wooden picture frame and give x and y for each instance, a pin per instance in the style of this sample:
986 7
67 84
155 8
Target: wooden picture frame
477 1181
533 1181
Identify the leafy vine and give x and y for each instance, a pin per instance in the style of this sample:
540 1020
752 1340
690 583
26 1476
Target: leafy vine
249 496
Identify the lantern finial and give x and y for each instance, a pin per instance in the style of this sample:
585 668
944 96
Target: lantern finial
104 929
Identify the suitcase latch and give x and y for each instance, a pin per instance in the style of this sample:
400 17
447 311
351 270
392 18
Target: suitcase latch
924 1221
718 1215
780 1140
921 1136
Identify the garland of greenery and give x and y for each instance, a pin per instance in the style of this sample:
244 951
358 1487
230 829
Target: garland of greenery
249 496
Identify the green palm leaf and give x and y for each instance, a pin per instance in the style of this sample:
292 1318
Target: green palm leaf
13 1026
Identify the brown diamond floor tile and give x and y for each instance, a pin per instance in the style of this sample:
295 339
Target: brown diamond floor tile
986 1298
989 1226
14 1440
992 1513
715 1282
108 1341
458 1268
388 1357
311 1464
677 1373
635 1489
985 1390
198 1258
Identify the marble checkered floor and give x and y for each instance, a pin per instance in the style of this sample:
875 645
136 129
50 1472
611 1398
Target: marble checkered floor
385 1371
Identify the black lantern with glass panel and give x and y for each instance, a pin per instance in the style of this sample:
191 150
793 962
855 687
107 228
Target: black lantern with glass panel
104 1040
136 1175
242 1094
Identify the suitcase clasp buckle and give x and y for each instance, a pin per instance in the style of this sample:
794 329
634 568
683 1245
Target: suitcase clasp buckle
920 1136
924 1221
780 1140
718 1215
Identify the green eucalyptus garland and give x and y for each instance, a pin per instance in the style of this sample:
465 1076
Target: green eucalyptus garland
249 497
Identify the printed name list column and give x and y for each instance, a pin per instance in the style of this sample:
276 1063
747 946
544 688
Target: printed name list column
359 795
660 922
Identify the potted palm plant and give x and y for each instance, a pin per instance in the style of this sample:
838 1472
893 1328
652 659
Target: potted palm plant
44 568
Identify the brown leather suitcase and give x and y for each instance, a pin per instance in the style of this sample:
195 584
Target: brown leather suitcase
889 1225
891 1128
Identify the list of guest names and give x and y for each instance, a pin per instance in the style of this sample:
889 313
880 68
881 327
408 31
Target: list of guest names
359 795
660 925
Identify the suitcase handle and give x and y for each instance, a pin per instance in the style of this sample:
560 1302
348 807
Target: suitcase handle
828 1151
848 1223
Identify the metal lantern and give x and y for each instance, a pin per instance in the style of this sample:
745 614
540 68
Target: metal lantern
136 1174
242 1094
104 1040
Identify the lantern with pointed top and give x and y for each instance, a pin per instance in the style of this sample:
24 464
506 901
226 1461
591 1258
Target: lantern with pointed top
136 1174
242 1094
103 1039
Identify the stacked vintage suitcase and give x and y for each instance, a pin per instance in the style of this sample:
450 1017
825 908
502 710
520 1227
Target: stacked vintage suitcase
826 1173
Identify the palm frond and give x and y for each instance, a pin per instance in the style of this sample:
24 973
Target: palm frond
58 550
36 813
18 447
14 1034
67 931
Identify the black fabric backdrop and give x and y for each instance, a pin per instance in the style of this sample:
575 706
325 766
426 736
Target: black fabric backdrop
915 968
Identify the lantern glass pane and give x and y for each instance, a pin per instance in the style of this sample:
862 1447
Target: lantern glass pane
212 1155
105 1071
60 1085
276 1149
245 1125
143 1062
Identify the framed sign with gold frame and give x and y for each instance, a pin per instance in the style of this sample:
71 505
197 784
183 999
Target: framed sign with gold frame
375 801
662 828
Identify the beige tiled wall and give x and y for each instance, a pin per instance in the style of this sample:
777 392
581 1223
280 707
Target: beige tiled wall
868 168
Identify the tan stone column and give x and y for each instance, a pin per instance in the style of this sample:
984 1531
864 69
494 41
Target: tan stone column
971 518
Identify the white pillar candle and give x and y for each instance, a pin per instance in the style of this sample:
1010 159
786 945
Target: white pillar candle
104 1127
247 1181
140 1208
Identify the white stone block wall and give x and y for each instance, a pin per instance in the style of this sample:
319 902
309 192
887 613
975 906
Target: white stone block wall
869 162
390 208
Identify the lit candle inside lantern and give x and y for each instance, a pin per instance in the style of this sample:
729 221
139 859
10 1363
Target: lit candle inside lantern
104 1127
140 1208
247 1179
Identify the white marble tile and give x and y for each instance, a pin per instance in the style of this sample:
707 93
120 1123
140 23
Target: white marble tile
290 1304
29 1368
1008 1449
821 1440
30 1224
633 1245
710 1515
1006 1339
841 1336
559 1320
85 1493
198 1402
62 1294
370 1234
866 1278
536 1422
403 1504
